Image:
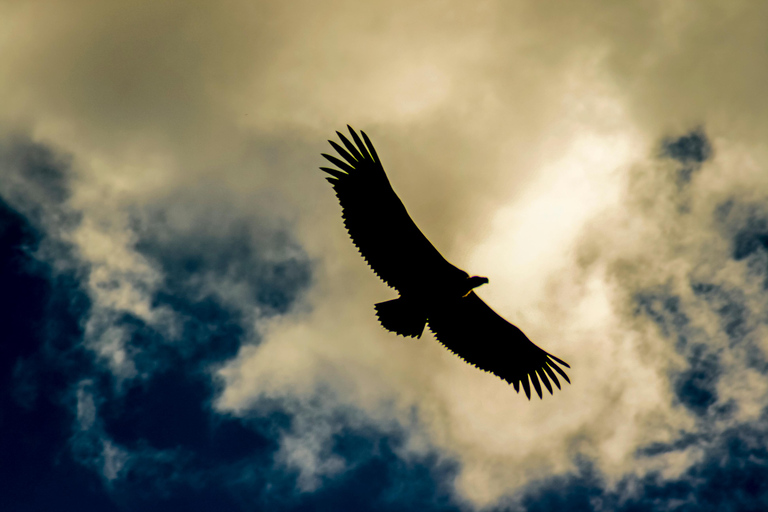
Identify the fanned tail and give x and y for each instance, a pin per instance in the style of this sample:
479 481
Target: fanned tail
402 317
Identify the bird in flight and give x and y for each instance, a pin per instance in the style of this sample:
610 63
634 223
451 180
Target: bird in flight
432 291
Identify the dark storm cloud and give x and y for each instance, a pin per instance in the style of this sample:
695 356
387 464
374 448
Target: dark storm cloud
266 267
663 308
155 441
35 181
380 480
215 272
225 249
693 148
42 306
731 309
40 314
710 311
178 455
750 239
694 387
157 436
746 223
34 174
472 102
731 477
690 151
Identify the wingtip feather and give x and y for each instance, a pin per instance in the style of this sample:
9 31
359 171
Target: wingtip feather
351 147
536 385
371 149
339 163
357 140
334 172
344 153
552 376
545 380
559 360
560 371
526 386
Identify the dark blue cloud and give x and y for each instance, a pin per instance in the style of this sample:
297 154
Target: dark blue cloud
745 224
737 321
224 249
163 422
183 456
177 452
696 387
731 474
43 169
39 314
750 239
579 492
196 265
377 480
731 477
690 150
684 441
665 309
17 239
381 481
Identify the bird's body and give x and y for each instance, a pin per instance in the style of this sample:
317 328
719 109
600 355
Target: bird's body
432 291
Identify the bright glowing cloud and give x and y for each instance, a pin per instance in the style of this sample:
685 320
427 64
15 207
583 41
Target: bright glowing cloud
185 292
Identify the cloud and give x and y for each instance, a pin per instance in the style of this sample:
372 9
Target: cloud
603 163
122 344
669 331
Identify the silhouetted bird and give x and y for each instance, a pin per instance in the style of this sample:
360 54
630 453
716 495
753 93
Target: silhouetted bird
432 291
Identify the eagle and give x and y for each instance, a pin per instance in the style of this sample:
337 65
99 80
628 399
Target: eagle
431 290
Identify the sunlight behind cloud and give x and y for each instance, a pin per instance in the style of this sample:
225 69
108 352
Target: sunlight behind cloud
532 238
602 163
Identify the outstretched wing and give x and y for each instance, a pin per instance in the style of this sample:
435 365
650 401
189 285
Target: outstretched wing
378 223
477 334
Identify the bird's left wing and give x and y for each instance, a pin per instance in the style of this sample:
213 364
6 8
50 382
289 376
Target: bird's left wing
378 223
469 328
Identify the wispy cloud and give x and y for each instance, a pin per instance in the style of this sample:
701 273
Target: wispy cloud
603 163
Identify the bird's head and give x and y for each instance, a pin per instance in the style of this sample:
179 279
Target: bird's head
474 282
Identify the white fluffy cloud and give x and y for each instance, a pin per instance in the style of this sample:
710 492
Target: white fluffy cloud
522 137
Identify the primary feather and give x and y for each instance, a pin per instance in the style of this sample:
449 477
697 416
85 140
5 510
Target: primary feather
432 290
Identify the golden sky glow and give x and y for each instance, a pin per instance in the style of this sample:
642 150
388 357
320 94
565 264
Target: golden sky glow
524 139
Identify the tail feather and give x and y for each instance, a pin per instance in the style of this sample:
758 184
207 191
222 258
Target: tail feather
400 316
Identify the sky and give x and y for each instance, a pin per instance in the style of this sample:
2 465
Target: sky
185 324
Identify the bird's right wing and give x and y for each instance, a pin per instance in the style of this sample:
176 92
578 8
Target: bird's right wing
469 328
378 223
